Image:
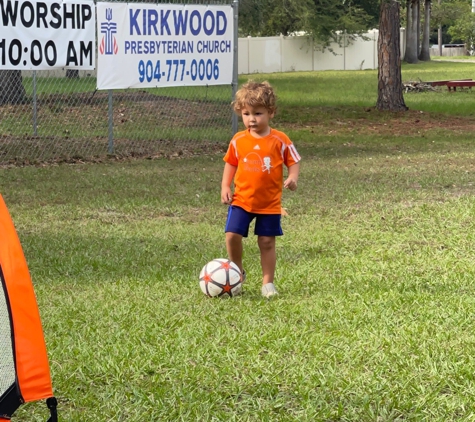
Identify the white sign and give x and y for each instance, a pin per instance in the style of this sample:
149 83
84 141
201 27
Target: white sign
155 45
47 34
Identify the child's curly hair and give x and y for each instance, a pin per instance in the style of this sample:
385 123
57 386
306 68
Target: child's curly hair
255 94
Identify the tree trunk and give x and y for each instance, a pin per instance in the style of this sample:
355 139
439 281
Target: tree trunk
389 59
407 36
411 33
72 73
439 36
11 87
425 48
418 27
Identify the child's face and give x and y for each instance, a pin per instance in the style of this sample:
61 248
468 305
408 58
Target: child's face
256 119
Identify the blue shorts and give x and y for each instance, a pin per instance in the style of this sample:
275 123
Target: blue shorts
239 220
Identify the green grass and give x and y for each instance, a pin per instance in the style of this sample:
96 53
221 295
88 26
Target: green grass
449 58
55 85
353 89
375 272
326 86
299 93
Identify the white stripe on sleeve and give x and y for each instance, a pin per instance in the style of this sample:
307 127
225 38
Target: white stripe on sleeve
293 152
235 148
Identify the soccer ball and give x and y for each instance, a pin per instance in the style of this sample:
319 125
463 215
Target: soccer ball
221 278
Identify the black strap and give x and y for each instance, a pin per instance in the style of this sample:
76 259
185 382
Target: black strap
52 404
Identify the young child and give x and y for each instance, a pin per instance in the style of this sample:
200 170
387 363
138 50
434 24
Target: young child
255 162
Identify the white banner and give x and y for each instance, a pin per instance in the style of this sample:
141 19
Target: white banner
155 45
47 34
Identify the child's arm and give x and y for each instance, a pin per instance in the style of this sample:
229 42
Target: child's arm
228 176
293 177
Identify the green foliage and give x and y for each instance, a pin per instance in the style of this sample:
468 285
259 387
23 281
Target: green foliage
322 19
331 18
272 17
464 28
447 13
371 8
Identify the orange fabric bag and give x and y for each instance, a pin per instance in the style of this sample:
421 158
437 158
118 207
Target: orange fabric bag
24 367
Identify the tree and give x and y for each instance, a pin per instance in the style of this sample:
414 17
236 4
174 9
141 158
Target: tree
321 19
390 91
418 28
371 8
412 19
446 14
289 17
11 87
439 34
425 46
272 17
251 17
464 29
331 17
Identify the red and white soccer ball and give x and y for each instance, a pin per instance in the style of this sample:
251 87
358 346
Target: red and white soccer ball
221 278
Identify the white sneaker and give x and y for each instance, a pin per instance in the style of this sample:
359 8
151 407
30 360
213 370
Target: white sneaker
269 290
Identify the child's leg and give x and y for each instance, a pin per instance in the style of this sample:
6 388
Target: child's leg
268 257
234 248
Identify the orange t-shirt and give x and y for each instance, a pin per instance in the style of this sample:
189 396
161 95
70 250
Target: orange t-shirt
259 177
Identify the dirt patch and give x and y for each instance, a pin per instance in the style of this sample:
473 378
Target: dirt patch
75 127
68 128
396 124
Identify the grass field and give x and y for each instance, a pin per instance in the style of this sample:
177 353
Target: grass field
449 58
376 272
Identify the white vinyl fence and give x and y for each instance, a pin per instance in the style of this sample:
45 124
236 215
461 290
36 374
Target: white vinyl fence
298 53
455 51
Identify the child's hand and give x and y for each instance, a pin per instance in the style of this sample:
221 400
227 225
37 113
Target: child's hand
226 196
290 183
